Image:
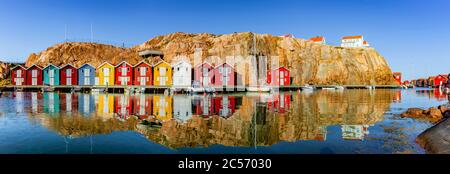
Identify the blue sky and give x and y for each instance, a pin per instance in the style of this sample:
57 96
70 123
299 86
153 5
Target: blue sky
412 35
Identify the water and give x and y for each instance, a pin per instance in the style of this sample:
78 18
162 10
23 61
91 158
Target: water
330 122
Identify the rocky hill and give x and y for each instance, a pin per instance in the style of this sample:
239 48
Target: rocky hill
78 53
308 62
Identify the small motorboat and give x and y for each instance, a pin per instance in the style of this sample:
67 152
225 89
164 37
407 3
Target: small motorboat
307 87
340 88
48 89
258 89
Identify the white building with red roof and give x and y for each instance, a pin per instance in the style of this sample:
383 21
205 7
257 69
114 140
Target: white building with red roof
354 41
318 40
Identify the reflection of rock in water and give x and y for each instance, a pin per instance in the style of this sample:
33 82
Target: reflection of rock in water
78 126
253 124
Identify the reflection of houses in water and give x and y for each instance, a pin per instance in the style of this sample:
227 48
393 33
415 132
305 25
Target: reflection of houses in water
142 106
162 108
69 102
224 106
19 102
105 107
182 110
86 104
203 105
435 93
51 102
439 94
398 96
35 98
124 105
354 132
279 103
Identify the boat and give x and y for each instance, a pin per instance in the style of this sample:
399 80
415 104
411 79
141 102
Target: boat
193 90
307 87
48 89
446 90
340 87
258 89
210 90
97 90
370 87
328 88
139 90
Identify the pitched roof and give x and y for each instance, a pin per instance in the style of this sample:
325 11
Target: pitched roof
122 63
34 65
223 64
87 65
352 37
160 62
104 64
18 66
67 65
204 64
180 62
142 62
280 68
317 39
51 65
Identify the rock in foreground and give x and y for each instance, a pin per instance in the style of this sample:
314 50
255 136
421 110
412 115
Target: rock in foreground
433 114
436 139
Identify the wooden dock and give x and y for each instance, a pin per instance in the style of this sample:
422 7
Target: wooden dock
162 89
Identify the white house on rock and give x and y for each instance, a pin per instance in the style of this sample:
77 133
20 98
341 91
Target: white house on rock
354 41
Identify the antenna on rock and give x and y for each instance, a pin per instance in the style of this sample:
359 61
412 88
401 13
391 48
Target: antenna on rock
65 33
92 34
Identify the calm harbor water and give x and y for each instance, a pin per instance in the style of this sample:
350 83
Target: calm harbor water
350 121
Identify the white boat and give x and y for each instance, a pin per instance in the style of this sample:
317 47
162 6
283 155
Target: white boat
446 90
97 90
307 87
328 88
370 87
210 90
258 89
340 87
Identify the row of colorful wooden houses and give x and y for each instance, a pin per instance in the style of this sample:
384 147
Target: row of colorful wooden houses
141 74
433 81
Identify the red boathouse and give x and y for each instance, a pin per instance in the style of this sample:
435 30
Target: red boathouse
440 80
124 73
19 75
280 77
398 77
34 75
142 74
69 75
223 75
203 74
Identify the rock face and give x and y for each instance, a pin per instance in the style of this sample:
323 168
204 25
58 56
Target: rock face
307 61
437 138
5 72
79 53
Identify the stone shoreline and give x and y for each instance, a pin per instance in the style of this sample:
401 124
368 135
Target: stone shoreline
436 139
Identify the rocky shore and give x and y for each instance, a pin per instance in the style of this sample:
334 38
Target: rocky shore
435 140
433 115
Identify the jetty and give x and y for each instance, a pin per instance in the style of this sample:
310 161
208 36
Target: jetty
162 89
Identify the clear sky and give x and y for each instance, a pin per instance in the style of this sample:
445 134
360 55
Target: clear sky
412 35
